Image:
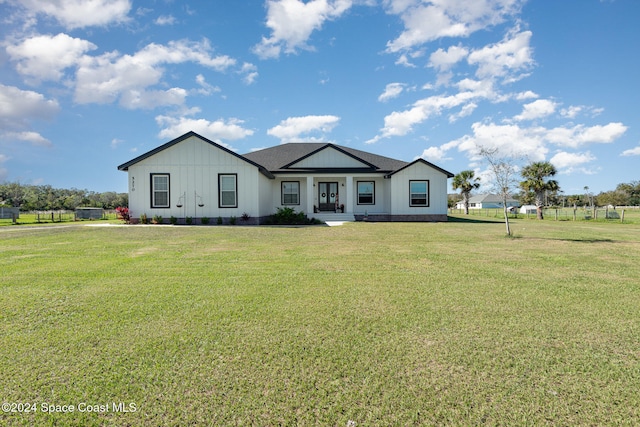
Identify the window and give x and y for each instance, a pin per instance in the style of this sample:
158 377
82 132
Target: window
366 192
418 193
290 192
159 190
228 197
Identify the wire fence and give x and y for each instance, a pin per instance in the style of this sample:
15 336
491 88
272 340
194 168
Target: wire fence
54 216
621 214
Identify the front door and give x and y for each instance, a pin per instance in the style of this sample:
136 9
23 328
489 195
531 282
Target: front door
327 196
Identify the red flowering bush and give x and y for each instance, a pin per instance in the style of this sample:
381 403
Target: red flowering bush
123 214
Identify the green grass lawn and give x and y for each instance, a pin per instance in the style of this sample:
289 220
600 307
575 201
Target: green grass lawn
376 324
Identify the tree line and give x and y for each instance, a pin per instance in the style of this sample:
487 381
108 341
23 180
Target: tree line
625 194
46 197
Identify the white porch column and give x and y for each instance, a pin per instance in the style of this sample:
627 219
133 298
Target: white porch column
349 207
311 195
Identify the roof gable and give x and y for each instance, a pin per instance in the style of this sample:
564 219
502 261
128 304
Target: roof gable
298 155
125 166
431 165
329 156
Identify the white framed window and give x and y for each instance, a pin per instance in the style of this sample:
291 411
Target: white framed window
160 190
419 193
366 192
290 192
228 194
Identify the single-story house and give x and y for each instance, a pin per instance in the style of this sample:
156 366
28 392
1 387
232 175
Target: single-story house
192 176
487 201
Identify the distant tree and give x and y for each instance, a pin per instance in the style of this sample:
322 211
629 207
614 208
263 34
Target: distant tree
503 173
613 198
632 190
466 183
536 181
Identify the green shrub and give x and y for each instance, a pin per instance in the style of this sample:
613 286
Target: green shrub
144 219
287 216
189 220
219 220
173 220
157 219
232 220
204 220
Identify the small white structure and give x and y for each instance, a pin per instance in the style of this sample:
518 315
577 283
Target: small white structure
529 209
192 176
486 201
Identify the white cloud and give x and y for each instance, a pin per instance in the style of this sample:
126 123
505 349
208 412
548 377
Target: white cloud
428 21
465 111
392 90
504 59
230 129
111 76
571 112
81 13
165 20
399 123
523 96
150 99
250 73
292 128
511 140
404 61
46 57
567 162
18 107
580 135
632 151
33 138
443 60
536 110
292 21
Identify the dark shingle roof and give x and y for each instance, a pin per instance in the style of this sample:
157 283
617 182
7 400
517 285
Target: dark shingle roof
275 159
282 158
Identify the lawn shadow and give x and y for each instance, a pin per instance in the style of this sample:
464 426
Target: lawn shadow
588 240
475 220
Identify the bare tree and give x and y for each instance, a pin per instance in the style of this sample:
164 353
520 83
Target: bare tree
504 175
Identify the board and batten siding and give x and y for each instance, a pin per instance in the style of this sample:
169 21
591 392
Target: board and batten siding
193 166
437 190
329 158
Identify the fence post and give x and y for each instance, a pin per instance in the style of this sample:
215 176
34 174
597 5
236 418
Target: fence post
622 216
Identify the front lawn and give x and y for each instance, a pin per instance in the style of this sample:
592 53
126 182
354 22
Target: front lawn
368 324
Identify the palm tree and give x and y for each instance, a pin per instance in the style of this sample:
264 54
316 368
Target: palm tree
466 182
536 180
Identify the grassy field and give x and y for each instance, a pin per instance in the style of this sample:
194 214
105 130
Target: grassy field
365 324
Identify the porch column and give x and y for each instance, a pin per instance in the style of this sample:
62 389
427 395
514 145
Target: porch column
349 207
311 195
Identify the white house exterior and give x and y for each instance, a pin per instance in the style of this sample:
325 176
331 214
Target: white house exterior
192 176
487 201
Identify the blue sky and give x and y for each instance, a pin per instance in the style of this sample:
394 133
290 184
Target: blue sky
88 85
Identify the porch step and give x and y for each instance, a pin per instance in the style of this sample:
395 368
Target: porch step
330 216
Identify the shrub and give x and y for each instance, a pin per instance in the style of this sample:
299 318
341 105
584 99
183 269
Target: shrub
144 219
173 220
204 220
288 216
245 216
219 220
189 220
157 219
232 220
123 214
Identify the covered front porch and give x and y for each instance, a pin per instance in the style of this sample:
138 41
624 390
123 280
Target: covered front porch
333 194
